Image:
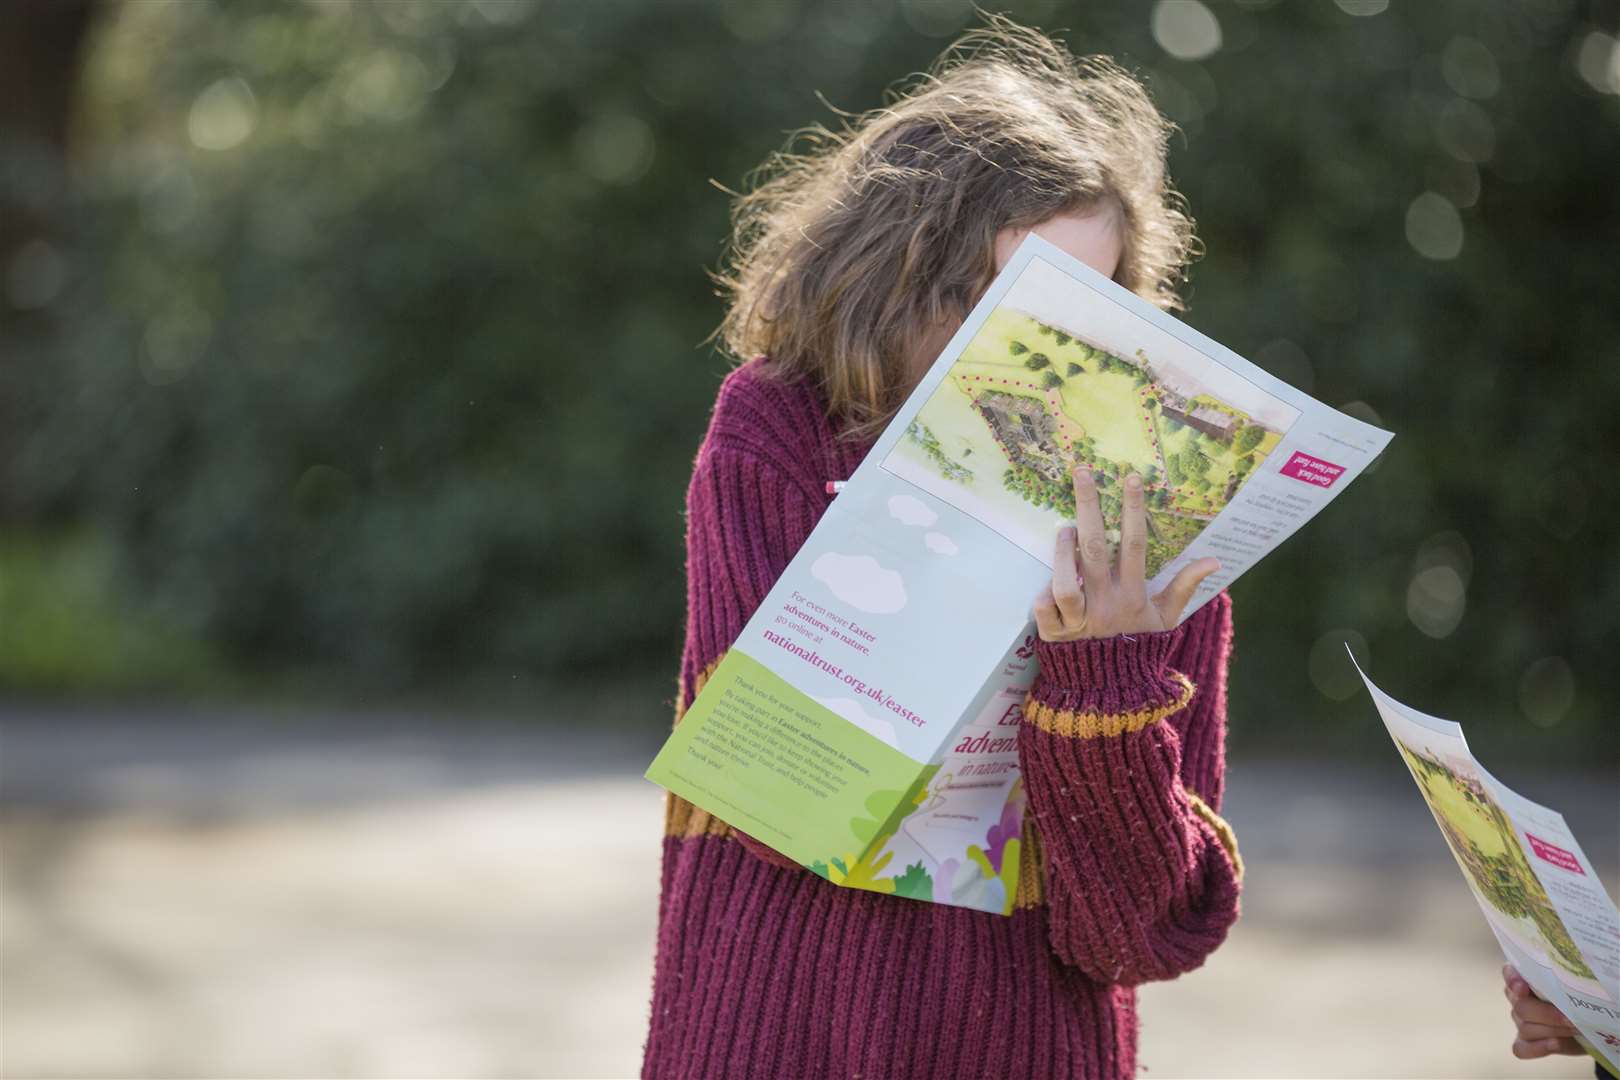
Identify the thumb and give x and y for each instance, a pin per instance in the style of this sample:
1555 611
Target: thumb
1173 600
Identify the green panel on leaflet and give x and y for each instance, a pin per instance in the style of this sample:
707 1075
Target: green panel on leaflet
806 776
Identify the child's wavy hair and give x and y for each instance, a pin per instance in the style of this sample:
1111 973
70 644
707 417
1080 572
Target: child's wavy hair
845 255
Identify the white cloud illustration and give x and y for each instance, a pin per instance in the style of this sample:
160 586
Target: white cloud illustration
852 710
861 582
910 510
940 544
970 888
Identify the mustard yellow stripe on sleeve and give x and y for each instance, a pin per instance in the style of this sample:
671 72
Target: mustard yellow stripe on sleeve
1223 831
1031 892
681 818
1091 724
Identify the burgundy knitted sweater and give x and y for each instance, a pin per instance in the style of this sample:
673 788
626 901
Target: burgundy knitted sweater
764 969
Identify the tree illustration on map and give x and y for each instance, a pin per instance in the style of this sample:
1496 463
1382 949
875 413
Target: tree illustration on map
1027 401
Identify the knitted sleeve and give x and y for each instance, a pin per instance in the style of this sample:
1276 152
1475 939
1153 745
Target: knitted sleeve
1141 877
745 520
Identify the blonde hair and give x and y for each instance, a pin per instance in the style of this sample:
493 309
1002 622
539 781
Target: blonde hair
848 253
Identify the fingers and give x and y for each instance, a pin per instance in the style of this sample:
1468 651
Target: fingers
1133 537
1089 530
1066 593
1048 620
1534 1011
1542 1028
1538 1032
1173 600
1537 1048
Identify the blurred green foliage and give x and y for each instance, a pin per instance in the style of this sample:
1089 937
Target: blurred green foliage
69 626
383 342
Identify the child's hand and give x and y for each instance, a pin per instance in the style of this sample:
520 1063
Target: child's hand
1542 1028
1097 599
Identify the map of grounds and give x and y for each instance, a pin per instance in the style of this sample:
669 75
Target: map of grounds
1489 852
1027 401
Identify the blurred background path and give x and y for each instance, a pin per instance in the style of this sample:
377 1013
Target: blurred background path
235 894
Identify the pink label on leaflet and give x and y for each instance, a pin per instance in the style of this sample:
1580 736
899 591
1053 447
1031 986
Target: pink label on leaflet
1312 470
1564 860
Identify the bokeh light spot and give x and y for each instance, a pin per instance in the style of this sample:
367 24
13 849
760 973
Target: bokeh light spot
223 115
1330 669
1435 600
386 85
1470 68
1186 29
1597 59
1433 227
173 341
616 147
1546 691
1363 8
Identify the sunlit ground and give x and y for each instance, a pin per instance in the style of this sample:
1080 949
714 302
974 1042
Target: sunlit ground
229 896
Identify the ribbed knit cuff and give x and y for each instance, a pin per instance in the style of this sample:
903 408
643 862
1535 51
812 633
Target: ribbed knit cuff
1106 685
1094 663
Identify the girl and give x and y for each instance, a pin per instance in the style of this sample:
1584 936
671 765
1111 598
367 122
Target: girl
849 271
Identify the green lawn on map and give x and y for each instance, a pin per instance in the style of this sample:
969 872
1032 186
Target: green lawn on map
1486 847
1042 401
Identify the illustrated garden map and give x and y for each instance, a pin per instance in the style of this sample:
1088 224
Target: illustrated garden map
1032 396
1481 837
